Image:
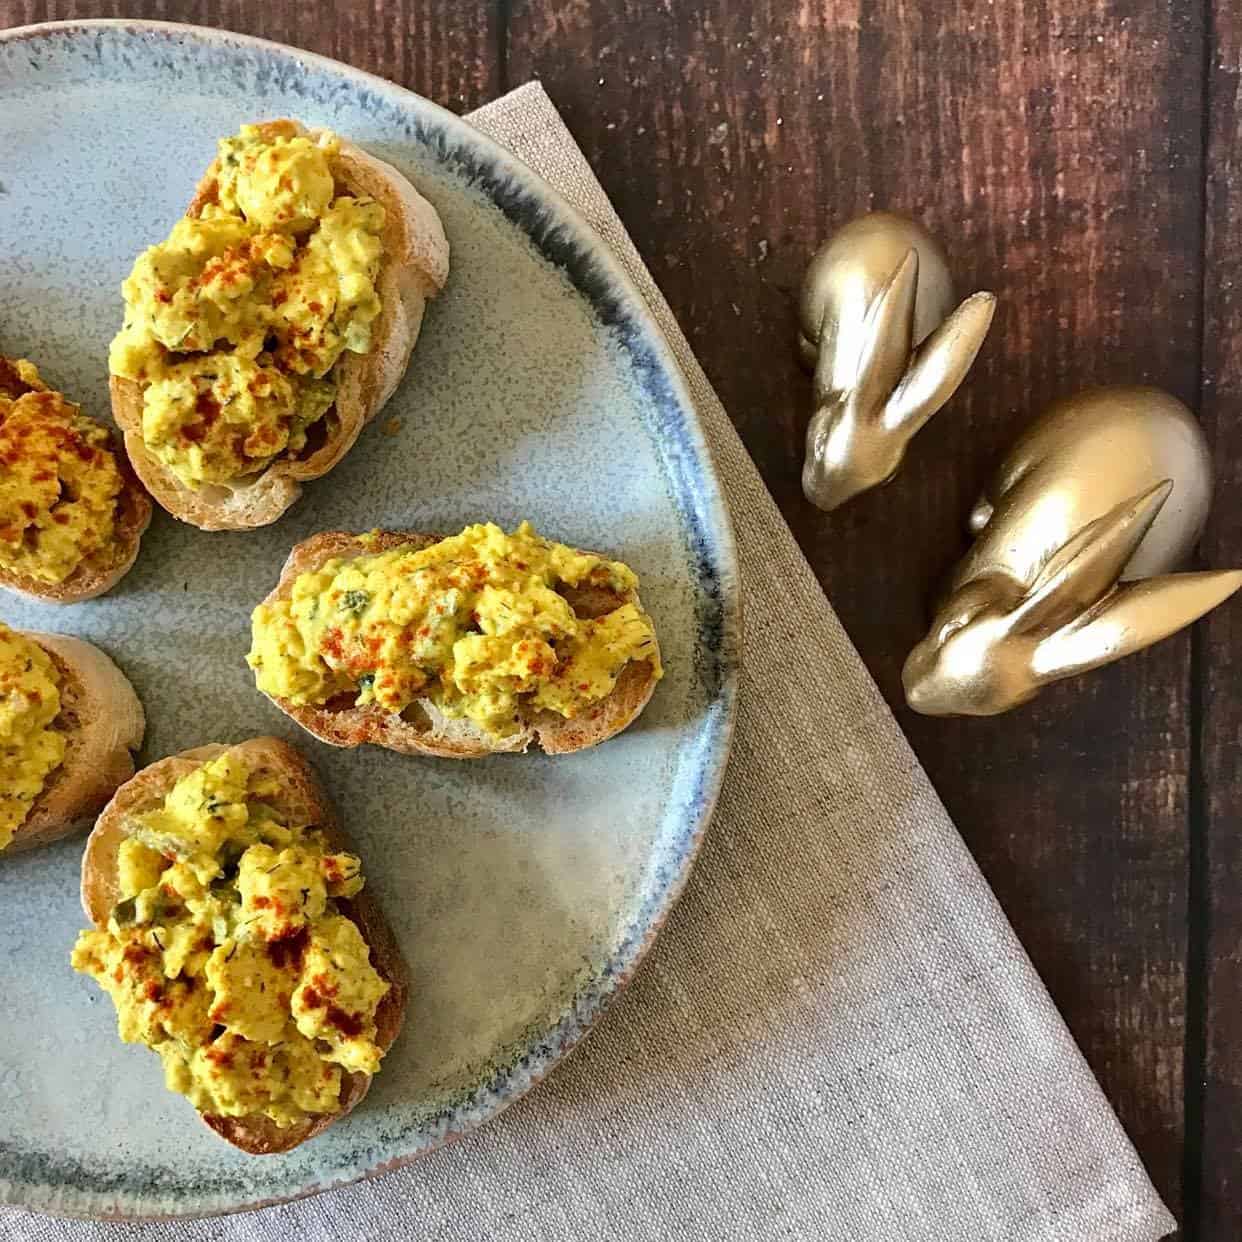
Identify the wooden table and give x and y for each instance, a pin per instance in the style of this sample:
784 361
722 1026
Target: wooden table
1079 158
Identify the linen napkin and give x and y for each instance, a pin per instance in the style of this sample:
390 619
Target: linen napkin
837 1035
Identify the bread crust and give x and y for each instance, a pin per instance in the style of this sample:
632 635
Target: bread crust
302 795
414 269
422 729
99 573
103 723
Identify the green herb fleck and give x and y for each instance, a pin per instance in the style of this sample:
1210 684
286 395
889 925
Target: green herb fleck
125 912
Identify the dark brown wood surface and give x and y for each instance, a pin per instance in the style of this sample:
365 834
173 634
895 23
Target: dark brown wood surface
1215 1044
1080 158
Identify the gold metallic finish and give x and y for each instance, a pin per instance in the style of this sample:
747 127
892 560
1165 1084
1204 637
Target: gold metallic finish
887 352
1103 494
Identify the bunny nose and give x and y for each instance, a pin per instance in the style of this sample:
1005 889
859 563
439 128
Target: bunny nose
829 486
914 682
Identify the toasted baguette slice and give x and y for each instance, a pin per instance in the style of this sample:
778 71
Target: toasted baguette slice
302 796
414 269
103 722
422 729
97 574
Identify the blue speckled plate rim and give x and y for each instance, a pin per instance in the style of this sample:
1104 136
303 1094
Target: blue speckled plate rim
562 235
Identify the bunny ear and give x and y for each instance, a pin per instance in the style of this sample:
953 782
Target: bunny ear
940 364
1132 617
1083 569
887 336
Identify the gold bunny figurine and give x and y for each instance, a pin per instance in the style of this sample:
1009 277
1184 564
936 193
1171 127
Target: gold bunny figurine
1108 486
887 353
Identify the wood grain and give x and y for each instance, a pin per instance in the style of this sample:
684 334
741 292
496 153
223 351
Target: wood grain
1216 1094
1055 147
439 48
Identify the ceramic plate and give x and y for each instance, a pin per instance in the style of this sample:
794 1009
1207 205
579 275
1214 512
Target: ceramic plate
524 890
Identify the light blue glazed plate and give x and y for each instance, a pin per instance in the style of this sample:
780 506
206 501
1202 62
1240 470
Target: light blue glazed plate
524 890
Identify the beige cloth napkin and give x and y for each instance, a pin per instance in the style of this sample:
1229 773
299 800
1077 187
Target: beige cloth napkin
837 1035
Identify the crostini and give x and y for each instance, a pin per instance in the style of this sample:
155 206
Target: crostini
458 647
233 933
72 514
69 720
272 324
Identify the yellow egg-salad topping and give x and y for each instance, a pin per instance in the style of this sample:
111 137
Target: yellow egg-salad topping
228 955
59 479
478 623
234 323
31 749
